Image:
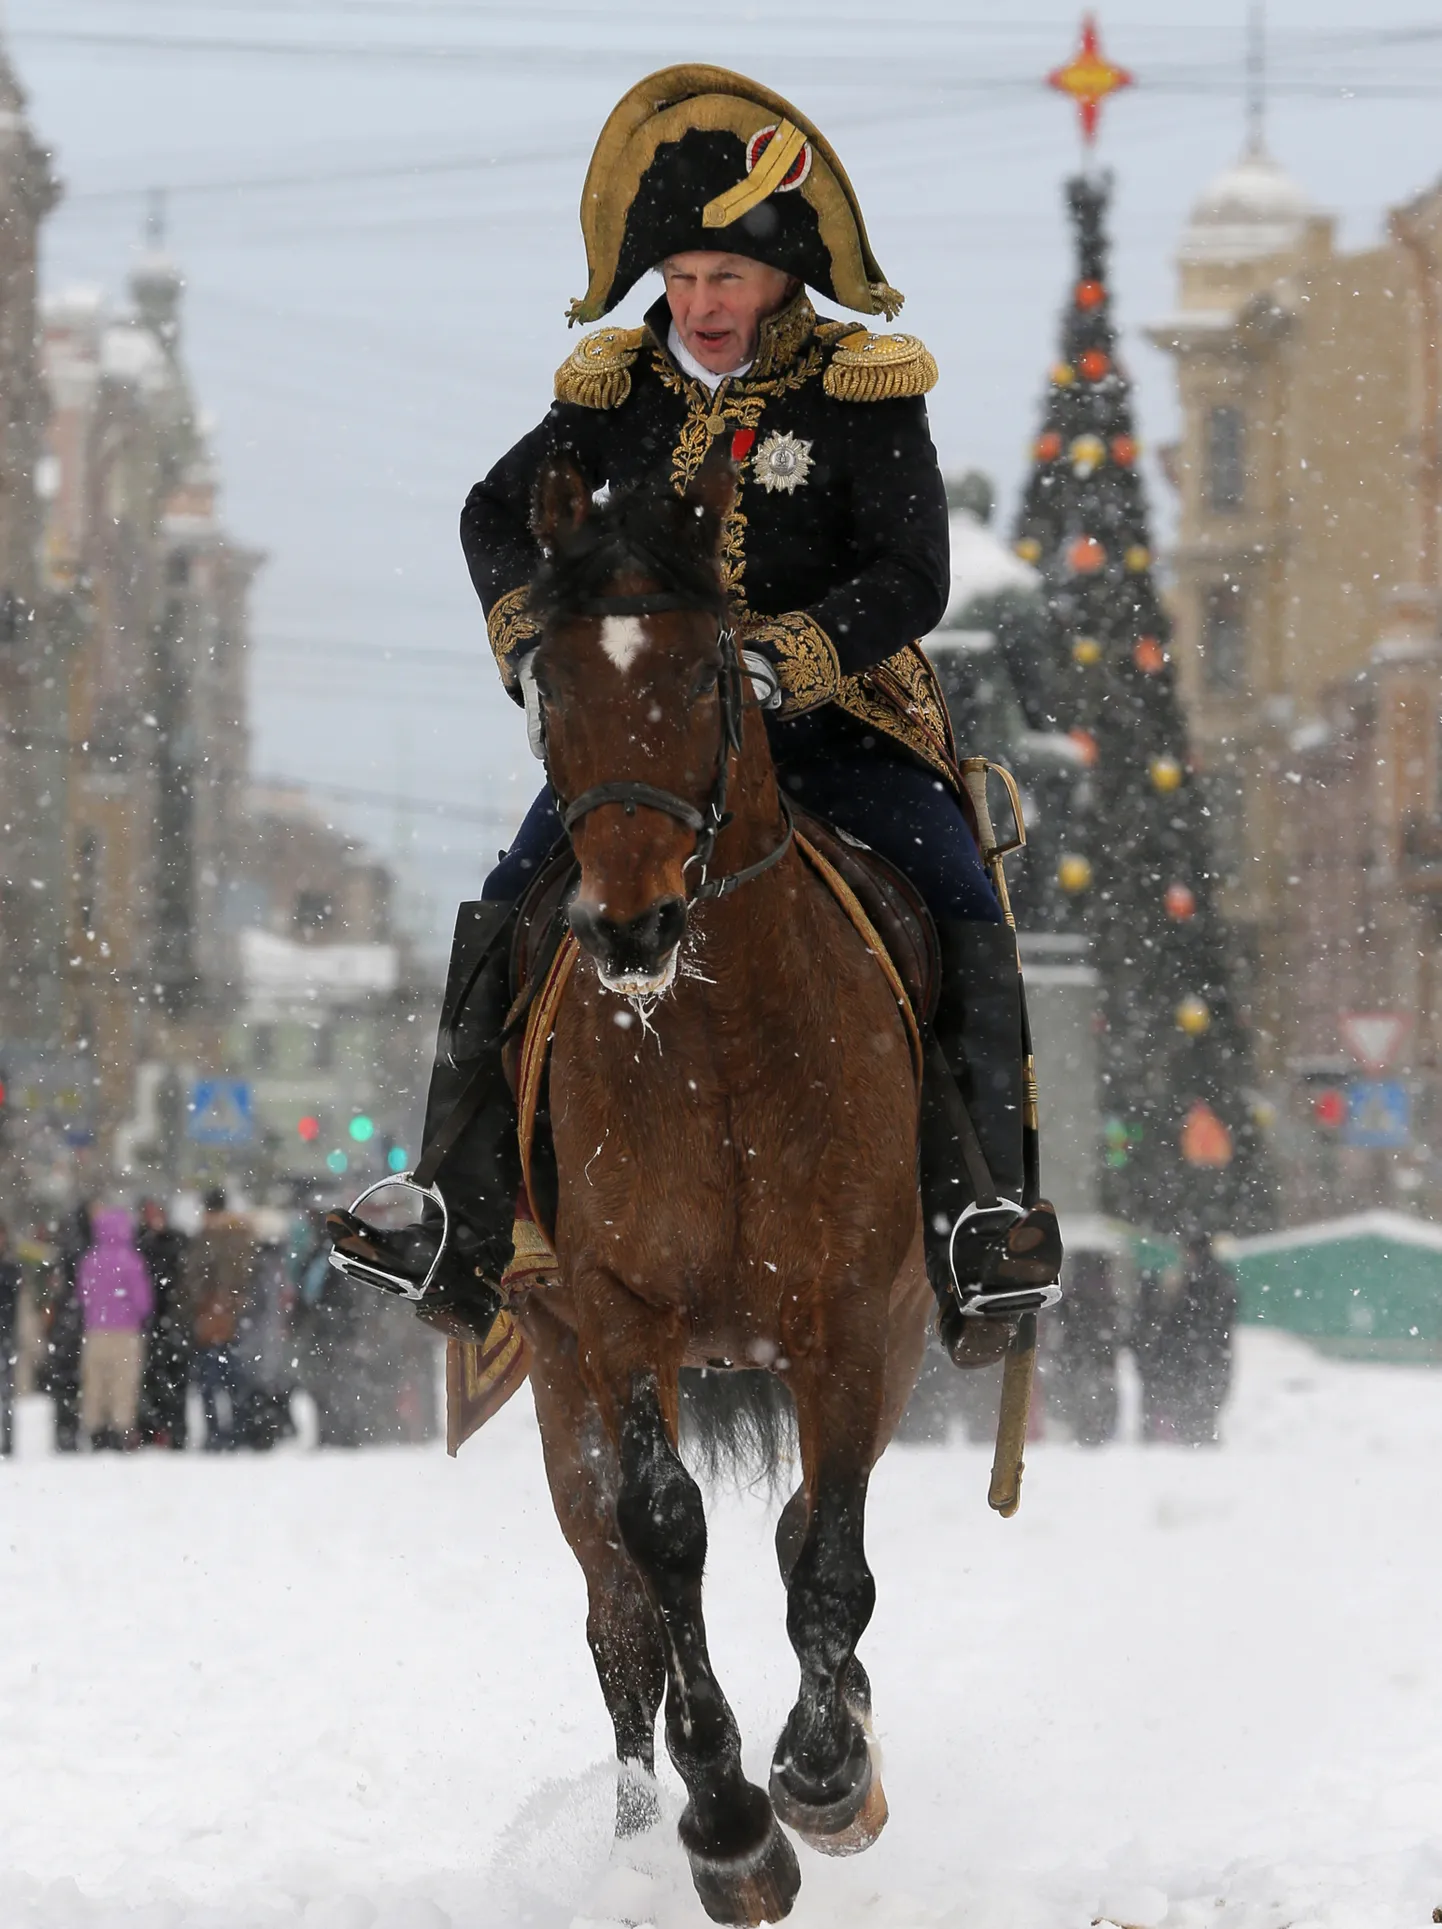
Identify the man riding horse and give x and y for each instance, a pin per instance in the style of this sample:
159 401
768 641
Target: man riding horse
835 560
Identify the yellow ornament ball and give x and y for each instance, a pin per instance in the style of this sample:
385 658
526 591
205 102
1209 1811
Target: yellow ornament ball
1087 452
1074 873
1086 651
1029 549
1165 772
1137 558
1193 1016
1063 375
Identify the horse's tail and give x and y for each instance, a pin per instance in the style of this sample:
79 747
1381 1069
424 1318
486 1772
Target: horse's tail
738 1425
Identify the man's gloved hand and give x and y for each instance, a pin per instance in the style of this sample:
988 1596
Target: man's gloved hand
531 697
765 679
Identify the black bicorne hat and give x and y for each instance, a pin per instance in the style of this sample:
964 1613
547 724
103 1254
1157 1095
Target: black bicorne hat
698 157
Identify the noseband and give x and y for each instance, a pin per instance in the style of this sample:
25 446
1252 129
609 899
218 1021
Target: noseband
713 819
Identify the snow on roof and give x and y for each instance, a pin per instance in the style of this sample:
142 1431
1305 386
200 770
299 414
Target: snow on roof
1394 1228
1252 208
981 564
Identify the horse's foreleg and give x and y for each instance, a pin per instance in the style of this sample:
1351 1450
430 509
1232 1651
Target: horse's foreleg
622 1625
743 1867
822 1781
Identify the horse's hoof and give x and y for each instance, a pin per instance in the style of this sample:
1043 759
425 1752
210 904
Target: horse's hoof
861 1831
837 1814
759 1888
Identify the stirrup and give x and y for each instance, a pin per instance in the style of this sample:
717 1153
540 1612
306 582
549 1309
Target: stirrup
997 1302
367 1272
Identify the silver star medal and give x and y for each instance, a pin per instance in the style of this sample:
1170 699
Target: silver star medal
782 462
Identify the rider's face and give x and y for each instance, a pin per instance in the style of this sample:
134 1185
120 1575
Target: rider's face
718 303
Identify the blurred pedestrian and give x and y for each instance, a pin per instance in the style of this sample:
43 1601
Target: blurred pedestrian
266 1343
1183 1343
10 1281
113 1286
166 1374
64 1327
222 1260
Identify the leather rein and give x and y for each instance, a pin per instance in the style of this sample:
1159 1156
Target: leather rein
707 823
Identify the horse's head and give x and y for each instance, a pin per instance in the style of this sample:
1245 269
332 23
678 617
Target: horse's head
638 681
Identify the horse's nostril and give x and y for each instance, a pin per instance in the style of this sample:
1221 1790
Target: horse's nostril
670 924
642 944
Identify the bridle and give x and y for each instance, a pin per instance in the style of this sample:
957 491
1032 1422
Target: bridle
709 822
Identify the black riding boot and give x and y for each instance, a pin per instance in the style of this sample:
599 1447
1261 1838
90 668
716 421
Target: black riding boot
479 1176
977 1055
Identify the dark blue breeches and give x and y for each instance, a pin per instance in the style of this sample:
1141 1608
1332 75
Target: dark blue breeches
899 809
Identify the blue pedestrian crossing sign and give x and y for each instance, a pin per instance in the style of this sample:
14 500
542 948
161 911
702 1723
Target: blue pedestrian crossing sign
1379 1116
220 1112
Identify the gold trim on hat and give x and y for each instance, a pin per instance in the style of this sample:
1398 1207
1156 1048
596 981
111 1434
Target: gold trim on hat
763 180
669 104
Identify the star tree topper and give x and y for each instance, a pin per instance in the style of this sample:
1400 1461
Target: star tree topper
1089 78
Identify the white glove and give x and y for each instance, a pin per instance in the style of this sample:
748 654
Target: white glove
531 697
765 682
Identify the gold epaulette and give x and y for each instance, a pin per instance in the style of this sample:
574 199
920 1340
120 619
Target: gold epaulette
597 372
879 368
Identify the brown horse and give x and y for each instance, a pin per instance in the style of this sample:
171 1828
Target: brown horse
734 1112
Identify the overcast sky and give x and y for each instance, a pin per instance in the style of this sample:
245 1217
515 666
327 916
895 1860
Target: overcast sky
373 202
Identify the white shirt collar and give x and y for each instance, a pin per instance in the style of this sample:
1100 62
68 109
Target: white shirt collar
688 364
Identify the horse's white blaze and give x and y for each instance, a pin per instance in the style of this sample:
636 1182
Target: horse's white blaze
623 639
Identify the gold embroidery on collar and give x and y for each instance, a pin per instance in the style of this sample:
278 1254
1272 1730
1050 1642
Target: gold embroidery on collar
781 339
510 626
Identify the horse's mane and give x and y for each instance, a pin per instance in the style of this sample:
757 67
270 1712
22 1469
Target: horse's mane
646 528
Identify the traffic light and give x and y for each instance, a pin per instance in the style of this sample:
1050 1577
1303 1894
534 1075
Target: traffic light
362 1128
309 1129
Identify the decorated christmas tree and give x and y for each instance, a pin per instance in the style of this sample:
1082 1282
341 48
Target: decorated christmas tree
1182 1148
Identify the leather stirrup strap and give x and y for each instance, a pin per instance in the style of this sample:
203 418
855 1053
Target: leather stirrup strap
983 1186
453 1124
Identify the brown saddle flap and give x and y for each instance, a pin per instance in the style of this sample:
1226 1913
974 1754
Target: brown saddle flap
894 906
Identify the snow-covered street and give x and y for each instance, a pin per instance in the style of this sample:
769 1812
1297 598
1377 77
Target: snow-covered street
352 1691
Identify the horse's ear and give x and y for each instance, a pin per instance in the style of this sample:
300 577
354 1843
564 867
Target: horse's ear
710 494
560 502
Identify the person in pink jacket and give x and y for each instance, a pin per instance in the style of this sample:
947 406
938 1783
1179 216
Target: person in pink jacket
116 1296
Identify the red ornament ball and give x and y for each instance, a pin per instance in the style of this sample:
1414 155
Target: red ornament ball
1048 446
1086 745
1086 556
1093 363
1090 295
1124 451
1149 656
1180 902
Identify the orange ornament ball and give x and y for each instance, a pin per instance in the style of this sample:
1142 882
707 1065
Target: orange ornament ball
1149 656
1093 363
1124 451
1086 745
1048 446
1086 556
1090 295
1180 902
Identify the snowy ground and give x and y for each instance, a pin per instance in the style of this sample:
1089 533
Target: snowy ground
352 1691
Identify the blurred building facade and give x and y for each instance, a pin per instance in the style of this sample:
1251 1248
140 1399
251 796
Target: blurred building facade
142 879
1306 576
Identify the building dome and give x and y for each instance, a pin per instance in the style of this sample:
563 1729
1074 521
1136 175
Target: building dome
1252 208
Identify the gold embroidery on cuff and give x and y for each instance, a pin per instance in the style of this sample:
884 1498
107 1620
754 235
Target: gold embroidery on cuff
805 657
510 627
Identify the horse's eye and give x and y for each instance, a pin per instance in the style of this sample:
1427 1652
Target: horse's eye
705 683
